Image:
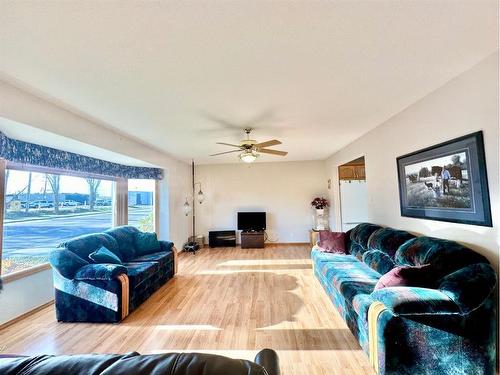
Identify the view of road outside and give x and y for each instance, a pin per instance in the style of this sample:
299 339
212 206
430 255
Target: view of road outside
141 204
42 210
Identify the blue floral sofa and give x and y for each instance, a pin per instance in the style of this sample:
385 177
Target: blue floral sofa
448 329
86 291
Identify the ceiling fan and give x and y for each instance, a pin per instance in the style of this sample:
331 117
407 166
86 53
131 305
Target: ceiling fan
250 149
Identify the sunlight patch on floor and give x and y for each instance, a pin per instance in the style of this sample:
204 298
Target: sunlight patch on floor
263 262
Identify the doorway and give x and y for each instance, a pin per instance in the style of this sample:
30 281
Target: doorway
353 193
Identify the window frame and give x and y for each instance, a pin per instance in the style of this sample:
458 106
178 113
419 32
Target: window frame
4 165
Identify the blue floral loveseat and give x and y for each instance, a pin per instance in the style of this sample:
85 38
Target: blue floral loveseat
89 291
446 329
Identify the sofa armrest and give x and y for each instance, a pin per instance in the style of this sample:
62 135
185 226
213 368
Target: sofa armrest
66 262
169 246
100 271
415 301
166 245
268 359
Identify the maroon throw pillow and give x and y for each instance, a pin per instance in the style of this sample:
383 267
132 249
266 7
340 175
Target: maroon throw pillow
332 242
418 276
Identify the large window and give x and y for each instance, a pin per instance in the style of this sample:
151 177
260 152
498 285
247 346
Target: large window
141 197
45 209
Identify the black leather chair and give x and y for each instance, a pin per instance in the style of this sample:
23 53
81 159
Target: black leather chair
266 363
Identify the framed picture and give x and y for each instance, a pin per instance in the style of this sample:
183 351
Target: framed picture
446 182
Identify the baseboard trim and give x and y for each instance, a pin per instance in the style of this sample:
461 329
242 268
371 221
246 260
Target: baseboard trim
25 315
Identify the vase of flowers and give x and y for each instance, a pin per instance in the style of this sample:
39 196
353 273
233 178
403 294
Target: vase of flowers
320 217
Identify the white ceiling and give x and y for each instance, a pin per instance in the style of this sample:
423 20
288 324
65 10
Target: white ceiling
315 75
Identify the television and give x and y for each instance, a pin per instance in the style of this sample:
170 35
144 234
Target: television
251 221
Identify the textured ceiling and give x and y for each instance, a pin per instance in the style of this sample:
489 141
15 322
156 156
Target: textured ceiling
182 75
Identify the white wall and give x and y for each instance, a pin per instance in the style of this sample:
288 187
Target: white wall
284 190
464 105
23 295
24 107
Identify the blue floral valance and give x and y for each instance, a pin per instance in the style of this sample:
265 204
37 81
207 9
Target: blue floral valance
41 156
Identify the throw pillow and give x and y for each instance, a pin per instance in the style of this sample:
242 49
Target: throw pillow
331 242
146 243
103 255
418 276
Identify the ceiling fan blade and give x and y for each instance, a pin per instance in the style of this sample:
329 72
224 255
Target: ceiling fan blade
227 144
272 142
273 152
227 152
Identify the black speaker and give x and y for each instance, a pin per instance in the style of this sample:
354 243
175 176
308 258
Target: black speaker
222 238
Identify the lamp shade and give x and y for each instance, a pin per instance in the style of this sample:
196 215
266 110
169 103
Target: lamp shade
186 207
248 156
200 197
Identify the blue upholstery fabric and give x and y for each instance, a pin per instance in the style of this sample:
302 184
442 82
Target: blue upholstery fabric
86 244
388 240
146 243
66 262
320 256
446 256
91 292
140 272
470 286
87 300
378 260
103 255
359 236
449 329
412 300
163 258
125 239
166 245
100 271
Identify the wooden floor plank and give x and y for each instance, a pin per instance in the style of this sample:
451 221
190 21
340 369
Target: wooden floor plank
227 301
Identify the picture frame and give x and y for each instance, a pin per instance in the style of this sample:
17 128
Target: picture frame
446 182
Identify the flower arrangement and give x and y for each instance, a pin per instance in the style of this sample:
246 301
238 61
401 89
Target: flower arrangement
319 203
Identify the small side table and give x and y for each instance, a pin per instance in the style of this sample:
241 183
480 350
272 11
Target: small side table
251 240
313 237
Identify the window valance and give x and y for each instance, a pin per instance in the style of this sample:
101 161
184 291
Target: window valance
32 154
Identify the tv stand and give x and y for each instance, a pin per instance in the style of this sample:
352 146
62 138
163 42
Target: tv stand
254 239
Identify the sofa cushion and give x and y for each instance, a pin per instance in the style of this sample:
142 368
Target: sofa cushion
350 278
163 257
362 232
331 242
140 272
378 260
103 255
413 300
101 271
66 262
125 238
146 243
470 286
388 240
445 256
86 244
357 250
318 256
419 276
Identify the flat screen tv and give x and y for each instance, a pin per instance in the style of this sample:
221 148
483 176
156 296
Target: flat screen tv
251 221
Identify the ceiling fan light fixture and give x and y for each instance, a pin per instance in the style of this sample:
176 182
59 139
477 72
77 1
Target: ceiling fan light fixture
248 156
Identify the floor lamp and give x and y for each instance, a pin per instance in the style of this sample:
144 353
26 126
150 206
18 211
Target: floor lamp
192 245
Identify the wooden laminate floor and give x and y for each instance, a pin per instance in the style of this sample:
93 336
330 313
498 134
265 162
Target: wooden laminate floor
228 301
